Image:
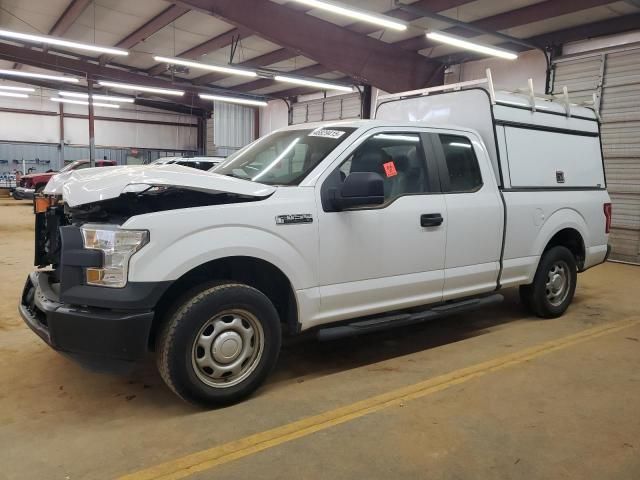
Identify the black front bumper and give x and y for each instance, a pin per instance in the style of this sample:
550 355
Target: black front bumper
85 330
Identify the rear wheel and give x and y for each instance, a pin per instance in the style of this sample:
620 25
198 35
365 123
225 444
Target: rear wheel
219 345
554 284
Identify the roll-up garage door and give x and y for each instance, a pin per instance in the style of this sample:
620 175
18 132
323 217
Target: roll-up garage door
615 78
341 107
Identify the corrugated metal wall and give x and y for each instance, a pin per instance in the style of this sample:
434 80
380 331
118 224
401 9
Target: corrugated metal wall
331 108
615 78
40 157
233 128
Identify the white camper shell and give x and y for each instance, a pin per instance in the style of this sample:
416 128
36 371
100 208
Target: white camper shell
567 151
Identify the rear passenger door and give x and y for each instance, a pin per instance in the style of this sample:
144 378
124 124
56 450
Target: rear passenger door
474 212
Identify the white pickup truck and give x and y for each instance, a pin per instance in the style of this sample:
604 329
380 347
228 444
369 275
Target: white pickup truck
344 227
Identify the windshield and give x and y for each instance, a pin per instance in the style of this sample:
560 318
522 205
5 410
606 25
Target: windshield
283 158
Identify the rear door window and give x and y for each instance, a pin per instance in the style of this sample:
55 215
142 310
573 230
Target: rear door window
461 165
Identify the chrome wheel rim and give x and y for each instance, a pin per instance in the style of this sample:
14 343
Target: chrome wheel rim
228 348
558 283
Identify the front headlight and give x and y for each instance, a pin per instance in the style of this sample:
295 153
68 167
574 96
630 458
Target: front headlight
118 246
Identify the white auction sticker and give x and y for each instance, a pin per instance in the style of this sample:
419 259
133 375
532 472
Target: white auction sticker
326 133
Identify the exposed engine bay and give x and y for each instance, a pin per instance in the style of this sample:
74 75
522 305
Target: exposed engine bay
116 211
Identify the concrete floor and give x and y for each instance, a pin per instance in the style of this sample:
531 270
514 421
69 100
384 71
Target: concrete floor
495 394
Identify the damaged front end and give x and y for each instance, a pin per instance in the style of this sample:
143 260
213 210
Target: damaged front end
113 195
151 199
80 299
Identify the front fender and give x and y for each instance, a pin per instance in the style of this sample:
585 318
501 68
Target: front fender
169 260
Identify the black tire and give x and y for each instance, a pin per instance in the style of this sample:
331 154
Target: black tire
216 307
540 297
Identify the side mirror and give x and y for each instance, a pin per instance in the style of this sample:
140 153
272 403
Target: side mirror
359 189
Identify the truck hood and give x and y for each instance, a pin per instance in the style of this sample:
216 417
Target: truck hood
97 184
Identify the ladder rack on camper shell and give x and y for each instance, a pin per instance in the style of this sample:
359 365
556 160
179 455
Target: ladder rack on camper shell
487 83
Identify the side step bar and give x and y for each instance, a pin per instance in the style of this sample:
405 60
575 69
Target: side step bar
402 319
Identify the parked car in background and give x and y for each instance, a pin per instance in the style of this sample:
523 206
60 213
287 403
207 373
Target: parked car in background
35 182
201 163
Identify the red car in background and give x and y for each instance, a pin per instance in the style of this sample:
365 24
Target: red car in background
33 183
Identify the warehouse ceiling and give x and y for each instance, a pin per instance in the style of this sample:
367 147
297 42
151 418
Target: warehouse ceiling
286 36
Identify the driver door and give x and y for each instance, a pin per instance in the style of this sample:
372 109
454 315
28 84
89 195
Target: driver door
385 257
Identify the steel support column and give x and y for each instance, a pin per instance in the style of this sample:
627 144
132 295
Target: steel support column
92 139
201 140
365 96
61 117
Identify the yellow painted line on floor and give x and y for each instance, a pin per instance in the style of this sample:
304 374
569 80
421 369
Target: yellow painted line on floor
206 459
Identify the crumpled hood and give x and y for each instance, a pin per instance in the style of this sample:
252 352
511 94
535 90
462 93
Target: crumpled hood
96 184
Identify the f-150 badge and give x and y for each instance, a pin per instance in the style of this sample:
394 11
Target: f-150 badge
294 218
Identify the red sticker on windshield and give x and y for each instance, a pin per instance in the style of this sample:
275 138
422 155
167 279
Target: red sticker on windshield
390 169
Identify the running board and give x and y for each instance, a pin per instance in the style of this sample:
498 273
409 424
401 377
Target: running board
402 319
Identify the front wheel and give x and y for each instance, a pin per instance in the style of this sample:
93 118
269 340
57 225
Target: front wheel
219 345
554 284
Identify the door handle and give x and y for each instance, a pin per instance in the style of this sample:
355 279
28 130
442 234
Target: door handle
431 220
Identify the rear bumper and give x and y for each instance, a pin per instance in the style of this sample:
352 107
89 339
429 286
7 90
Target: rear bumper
100 332
595 256
21 193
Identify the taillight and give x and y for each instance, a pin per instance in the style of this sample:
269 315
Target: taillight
607 216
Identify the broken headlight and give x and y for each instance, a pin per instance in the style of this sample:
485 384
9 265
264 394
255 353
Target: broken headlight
117 246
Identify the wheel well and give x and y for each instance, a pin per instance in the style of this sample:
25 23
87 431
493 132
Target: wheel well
571 239
251 271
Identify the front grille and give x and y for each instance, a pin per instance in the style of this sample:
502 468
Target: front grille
47 236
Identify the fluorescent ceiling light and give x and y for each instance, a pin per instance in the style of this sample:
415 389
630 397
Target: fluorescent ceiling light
312 83
16 95
59 41
356 14
17 89
206 66
80 102
108 98
19 73
111 98
241 101
467 45
141 88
